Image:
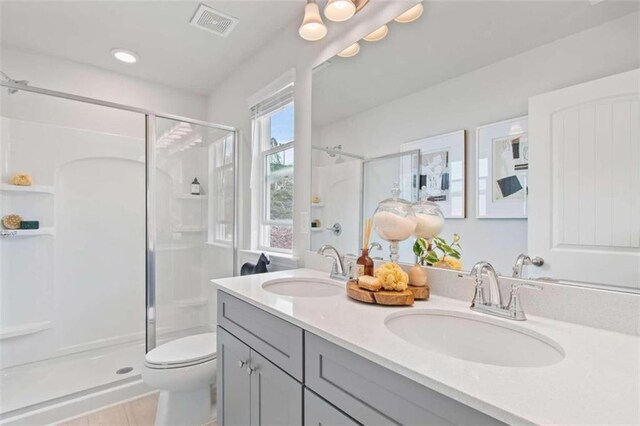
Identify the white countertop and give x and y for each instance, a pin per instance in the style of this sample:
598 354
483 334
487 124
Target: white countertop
598 381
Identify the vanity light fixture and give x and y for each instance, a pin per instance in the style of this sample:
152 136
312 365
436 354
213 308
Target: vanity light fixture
339 10
378 34
350 51
515 129
312 27
410 15
124 55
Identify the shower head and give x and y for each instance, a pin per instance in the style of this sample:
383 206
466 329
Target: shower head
335 151
13 90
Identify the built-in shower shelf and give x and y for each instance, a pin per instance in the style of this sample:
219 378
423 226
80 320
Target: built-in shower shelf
189 229
192 303
317 229
24 330
317 205
170 247
42 189
19 233
191 197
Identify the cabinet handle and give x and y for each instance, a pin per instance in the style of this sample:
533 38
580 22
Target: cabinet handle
250 370
241 363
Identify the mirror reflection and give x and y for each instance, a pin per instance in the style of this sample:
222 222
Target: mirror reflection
500 122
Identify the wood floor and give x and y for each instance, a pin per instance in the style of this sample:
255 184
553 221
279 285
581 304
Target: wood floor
138 412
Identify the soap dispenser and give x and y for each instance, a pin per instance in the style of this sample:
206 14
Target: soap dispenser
195 187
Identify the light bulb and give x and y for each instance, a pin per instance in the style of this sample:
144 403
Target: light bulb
350 51
378 34
339 10
410 15
312 27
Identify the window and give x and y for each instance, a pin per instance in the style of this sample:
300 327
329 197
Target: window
221 156
274 139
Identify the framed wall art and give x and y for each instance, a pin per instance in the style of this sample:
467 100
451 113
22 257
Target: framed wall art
442 171
502 168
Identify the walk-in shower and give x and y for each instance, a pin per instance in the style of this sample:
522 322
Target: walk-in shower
124 249
336 185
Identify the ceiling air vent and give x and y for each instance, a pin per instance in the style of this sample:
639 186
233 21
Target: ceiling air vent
211 20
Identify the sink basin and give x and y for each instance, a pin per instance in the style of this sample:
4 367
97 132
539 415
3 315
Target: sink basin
475 338
304 287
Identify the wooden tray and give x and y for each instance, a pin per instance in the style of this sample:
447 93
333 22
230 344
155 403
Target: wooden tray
419 293
382 297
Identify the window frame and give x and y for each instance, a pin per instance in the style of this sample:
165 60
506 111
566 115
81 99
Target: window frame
218 195
264 134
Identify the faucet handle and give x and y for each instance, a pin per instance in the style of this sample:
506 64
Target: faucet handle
517 286
515 307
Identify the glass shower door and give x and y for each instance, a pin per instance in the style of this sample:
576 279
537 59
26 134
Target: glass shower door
72 278
191 186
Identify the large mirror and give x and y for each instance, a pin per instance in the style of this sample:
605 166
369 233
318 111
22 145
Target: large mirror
458 86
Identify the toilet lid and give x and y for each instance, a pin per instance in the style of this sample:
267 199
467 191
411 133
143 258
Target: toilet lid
188 349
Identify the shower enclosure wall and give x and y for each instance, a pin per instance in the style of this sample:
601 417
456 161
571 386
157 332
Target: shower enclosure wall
124 251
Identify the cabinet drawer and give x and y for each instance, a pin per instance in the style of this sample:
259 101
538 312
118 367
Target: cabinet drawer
318 412
373 395
277 340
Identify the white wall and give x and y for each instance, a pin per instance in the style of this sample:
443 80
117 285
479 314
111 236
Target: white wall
493 93
85 80
228 103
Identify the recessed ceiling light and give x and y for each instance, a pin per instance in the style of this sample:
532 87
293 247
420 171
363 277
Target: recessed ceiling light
378 34
350 51
410 15
124 55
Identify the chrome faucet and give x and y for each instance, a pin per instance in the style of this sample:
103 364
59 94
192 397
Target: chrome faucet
495 298
523 260
374 245
512 310
338 270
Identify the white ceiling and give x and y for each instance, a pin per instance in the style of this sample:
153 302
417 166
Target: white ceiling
171 51
450 39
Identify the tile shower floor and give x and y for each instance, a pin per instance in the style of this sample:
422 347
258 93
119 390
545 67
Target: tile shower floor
40 382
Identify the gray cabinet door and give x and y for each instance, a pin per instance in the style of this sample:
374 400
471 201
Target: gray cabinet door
318 412
234 382
278 340
276 397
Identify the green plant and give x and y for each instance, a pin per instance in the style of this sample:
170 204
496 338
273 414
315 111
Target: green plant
428 254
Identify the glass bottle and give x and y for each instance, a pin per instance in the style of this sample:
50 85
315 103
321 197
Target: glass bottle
394 221
364 264
195 187
429 218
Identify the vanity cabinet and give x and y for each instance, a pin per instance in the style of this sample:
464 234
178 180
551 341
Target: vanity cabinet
252 390
374 395
234 384
318 412
271 372
276 339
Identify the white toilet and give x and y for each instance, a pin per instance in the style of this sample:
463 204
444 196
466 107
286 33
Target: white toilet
184 370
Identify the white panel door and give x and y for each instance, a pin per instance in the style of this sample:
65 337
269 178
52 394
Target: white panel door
584 176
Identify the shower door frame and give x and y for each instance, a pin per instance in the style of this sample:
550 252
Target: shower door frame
150 179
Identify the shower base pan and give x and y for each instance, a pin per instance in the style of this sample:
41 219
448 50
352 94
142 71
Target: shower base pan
52 390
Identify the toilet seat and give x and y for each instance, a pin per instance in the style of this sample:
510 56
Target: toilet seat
183 352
